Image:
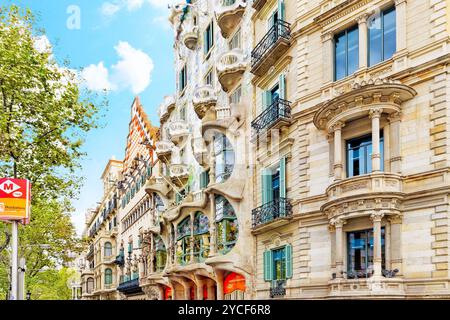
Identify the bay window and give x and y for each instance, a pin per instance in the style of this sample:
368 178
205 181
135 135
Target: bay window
201 237
184 242
227 225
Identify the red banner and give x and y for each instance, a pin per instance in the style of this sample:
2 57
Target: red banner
15 200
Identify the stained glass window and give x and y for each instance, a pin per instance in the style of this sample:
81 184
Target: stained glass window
201 237
227 225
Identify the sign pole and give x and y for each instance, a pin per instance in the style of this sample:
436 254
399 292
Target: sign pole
14 262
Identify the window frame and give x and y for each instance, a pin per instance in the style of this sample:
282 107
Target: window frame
345 33
381 17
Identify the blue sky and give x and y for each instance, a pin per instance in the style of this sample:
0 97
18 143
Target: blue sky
124 45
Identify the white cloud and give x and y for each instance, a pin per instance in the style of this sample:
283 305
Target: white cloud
109 9
133 71
42 44
96 77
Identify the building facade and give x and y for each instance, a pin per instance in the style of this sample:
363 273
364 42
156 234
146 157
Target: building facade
354 203
304 155
99 273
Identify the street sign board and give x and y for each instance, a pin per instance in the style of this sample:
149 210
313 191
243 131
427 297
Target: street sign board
15 200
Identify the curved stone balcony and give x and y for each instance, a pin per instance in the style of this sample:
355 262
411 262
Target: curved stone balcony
166 108
196 200
218 118
178 131
204 99
190 36
229 14
361 99
158 185
179 173
230 68
361 195
164 149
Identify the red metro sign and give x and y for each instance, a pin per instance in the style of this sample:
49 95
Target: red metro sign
15 200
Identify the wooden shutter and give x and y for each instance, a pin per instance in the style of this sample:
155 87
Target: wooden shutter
281 10
268 264
266 186
266 100
282 84
289 261
283 177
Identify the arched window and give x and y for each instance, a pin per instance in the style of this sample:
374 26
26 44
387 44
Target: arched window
90 285
108 249
224 154
201 237
227 225
234 287
108 277
160 254
184 241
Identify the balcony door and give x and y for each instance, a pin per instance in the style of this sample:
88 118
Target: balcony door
359 155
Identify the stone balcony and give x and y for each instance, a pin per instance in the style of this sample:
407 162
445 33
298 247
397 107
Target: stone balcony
204 99
229 14
230 68
179 173
273 45
367 288
178 131
190 36
360 195
164 150
166 108
159 185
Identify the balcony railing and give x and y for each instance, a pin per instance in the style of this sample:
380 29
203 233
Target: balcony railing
278 288
279 32
129 287
277 111
271 211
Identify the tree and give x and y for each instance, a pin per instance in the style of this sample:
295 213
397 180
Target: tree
52 285
43 119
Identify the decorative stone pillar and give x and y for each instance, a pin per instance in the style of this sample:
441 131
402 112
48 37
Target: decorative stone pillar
219 294
396 243
328 59
332 231
362 31
400 11
212 226
375 115
387 149
339 255
337 129
199 290
376 217
394 142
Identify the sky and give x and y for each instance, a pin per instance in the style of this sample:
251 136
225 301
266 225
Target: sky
124 46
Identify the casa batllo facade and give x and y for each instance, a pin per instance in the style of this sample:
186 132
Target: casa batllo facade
354 201
201 247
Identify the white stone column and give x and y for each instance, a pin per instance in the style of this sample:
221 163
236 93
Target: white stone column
199 290
400 12
211 291
339 255
396 243
394 142
375 115
363 33
337 128
328 59
219 293
376 218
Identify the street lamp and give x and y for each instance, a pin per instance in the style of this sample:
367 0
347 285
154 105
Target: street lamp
28 295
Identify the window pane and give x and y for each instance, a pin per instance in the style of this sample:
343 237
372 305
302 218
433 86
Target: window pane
340 57
353 51
375 41
389 40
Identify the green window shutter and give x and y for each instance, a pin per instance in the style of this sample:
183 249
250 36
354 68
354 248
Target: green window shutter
282 84
204 177
205 42
268 264
266 183
283 177
281 10
266 100
289 261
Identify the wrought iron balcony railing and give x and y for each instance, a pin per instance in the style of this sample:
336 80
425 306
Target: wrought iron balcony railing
128 287
271 211
280 109
280 30
278 288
